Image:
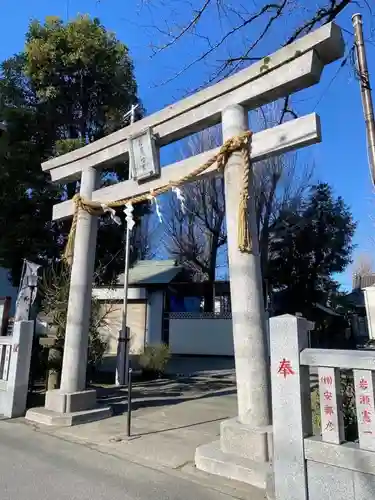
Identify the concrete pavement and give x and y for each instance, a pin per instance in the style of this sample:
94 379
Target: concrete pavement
170 419
37 466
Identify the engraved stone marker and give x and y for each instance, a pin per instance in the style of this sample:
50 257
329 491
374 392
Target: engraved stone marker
331 405
364 399
144 156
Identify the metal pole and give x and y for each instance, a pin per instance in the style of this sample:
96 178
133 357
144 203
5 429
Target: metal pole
128 427
124 328
122 363
123 356
364 79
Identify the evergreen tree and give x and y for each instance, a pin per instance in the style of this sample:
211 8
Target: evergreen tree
71 85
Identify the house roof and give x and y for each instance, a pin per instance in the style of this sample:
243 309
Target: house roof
326 309
356 298
363 280
152 272
360 281
279 304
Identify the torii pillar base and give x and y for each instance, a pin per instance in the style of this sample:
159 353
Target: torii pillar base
67 409
242 454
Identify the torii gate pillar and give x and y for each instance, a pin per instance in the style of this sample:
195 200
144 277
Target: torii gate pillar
248 318
73 403
245 448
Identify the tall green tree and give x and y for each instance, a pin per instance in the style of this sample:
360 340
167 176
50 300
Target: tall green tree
305 257
84 74
71 85
26 196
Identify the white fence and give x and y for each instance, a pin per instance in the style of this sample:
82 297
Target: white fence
324 467
15 357
201 334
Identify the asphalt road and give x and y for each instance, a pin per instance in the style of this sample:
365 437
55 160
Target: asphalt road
35 466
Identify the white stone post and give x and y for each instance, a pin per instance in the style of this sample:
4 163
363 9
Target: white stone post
13 399
369 295
73 377
291 406
249 332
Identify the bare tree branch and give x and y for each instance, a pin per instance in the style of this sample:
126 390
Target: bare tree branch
197 15
146 239
287 110
363 264
277 8
233 18
196 236
323 15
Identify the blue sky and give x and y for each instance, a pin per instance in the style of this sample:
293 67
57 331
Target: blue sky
341 159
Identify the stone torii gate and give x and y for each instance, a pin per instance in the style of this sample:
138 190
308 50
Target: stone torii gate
245 448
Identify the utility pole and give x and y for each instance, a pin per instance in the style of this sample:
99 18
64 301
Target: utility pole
364 80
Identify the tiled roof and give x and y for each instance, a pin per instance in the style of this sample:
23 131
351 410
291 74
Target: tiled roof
152 272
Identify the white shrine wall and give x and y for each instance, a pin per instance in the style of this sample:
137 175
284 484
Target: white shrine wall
200 334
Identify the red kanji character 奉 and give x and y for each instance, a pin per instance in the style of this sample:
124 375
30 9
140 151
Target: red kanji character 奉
363 384
366 416
328 395
364 400
328 410
285 368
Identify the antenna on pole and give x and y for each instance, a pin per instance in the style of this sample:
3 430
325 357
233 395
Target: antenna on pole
131 113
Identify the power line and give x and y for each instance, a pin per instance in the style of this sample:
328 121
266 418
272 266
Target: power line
367 40
343 63
350 54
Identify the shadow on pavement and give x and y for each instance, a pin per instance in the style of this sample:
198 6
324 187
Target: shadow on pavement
166 392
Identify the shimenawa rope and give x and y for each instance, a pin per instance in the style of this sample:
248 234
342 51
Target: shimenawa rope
241 143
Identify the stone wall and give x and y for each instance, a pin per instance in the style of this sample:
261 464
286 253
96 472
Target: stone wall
338 472
323 467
